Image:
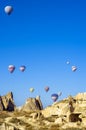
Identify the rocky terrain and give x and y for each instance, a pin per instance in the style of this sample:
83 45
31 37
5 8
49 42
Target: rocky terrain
67 114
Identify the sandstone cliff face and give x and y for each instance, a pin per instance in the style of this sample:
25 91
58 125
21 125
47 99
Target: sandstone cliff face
69 113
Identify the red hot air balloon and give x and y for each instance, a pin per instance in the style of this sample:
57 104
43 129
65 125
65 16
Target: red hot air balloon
46 88
8 9
11 68
22 68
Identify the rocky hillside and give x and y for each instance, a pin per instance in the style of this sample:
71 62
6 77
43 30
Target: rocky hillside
69 113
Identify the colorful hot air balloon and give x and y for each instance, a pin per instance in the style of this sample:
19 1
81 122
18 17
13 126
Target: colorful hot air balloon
46 88
54 97
11 68
74 68
31 90
22 68
8 9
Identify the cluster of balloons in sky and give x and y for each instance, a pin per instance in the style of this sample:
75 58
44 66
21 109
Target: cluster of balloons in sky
11 68
8 10
22 68
54 96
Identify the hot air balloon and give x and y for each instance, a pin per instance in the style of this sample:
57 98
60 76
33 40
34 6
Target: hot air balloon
31 90
11 68
54 97
67 62
8 9
59 93
22 68
46 88
74 68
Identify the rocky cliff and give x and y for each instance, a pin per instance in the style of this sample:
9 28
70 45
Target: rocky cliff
69 113
7 102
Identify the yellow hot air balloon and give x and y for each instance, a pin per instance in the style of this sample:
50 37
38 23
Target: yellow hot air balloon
31 89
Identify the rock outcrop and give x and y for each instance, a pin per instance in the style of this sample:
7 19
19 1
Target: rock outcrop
66 114
33 104
7 102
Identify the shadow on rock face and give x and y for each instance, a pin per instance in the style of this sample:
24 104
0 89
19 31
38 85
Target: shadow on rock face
74 117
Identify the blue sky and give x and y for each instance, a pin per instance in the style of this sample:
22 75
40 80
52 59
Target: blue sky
43 35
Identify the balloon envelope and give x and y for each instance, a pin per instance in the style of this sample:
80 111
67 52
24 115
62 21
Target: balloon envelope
59 93
74 68
31 89
8 9
46 88
11 68
54 97
22 68
68 62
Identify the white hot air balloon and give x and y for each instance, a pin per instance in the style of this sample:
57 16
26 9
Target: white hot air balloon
22 68
74 68
67 62
11 68
8 9
59 93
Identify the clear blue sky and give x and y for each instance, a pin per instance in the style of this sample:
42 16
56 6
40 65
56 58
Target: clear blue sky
43 35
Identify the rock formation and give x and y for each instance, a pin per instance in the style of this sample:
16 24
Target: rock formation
66 114
32 104
7 102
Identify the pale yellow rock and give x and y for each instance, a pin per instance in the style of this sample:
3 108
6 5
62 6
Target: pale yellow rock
59 121
55 117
